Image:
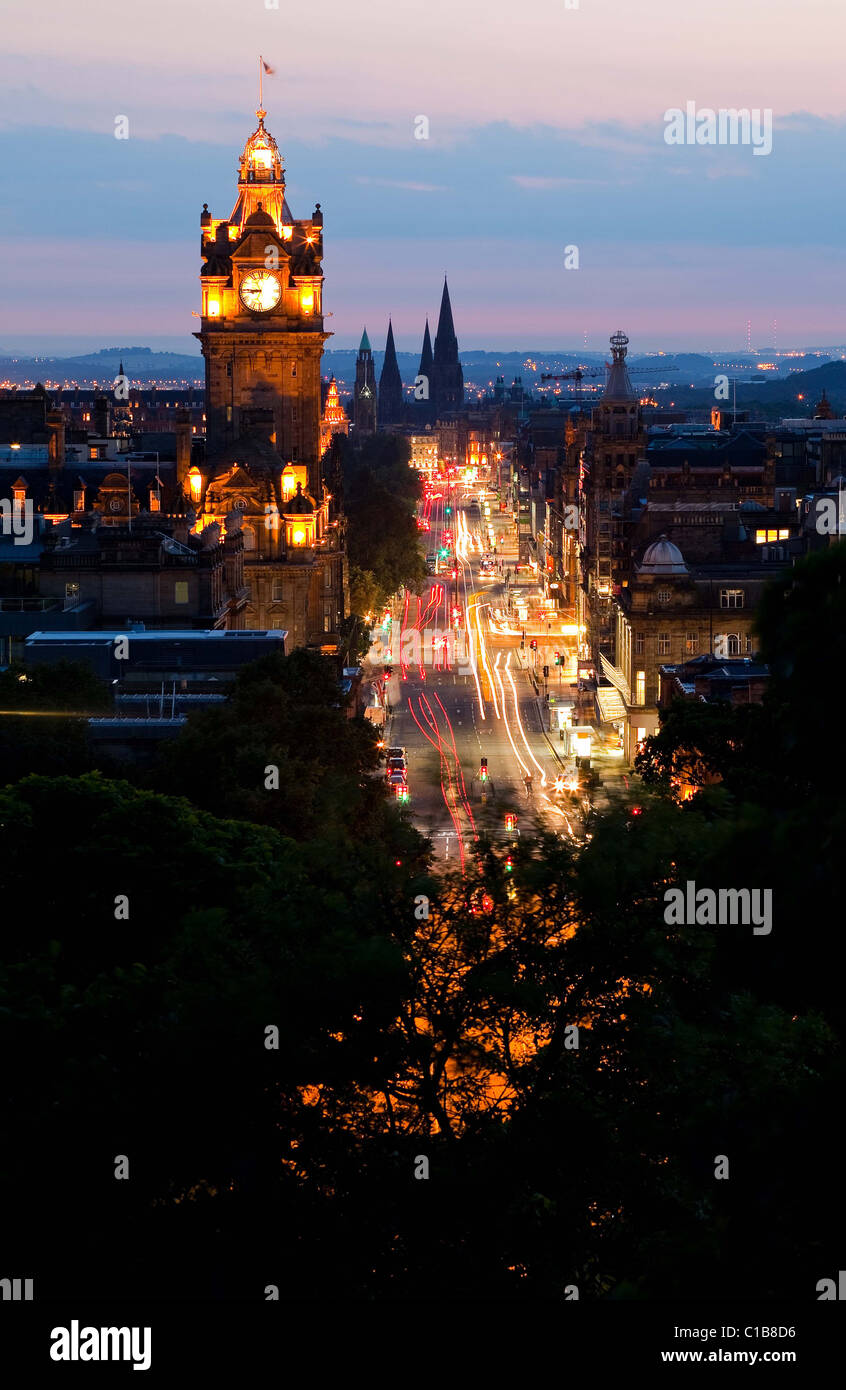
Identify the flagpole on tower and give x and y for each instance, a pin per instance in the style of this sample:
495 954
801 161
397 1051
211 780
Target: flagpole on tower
261 69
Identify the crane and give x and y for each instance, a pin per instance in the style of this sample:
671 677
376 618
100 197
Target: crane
575 375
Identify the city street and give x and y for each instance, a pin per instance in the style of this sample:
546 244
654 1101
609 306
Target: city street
451 707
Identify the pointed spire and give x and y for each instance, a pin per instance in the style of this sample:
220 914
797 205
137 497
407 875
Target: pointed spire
445 337
364 345
426 355
447 377
390 384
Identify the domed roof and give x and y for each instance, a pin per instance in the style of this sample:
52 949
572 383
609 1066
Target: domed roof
260 218
662 557
299 505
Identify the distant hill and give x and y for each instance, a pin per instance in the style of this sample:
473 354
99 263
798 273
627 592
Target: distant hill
141 364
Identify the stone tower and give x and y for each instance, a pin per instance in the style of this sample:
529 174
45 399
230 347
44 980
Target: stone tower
261 328
364 397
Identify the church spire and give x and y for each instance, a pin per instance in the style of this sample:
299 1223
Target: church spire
390 385
445 339
426 355
447 388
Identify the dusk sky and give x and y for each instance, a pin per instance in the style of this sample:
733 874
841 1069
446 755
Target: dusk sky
546 129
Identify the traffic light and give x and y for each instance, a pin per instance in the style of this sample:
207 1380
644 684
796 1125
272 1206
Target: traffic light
510 821
483 770
449 511
534 644
558 658
389 671
509 864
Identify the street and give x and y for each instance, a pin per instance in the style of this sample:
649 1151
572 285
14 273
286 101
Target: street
458 697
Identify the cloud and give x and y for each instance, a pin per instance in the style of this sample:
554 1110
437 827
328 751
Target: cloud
540 182
403 183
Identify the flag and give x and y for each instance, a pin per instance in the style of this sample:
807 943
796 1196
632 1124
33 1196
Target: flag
268 69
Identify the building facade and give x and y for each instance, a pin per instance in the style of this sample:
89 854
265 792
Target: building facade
262 338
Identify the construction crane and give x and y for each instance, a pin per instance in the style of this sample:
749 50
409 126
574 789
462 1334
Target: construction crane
576 375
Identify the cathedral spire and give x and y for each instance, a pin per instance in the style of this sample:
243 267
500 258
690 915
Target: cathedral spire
390 384
445 338
447 388
426 355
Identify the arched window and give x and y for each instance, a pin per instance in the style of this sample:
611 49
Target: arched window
249 537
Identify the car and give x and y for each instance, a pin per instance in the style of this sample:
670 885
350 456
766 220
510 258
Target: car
397 779
395 751
396 765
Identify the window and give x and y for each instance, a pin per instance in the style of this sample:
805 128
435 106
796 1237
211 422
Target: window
180 591
155 502
277 624
71 592
79 499
249 537
663 595
761 537
640 688
327 623
278 590
748 645
639 641
734 644
663 644
327 577
731 598
691 643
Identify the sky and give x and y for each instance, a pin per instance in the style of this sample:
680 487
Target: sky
546 129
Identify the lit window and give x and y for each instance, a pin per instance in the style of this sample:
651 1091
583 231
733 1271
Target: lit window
640 688
731 598
691 644
180 591
79 500
663 596
195 482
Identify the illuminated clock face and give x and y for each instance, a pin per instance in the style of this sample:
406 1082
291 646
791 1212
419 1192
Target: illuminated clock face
366 392
260 291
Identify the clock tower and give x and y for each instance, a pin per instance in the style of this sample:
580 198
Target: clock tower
364 391
262 329
262 335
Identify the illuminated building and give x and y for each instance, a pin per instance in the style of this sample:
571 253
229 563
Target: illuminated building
334 419
262 338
